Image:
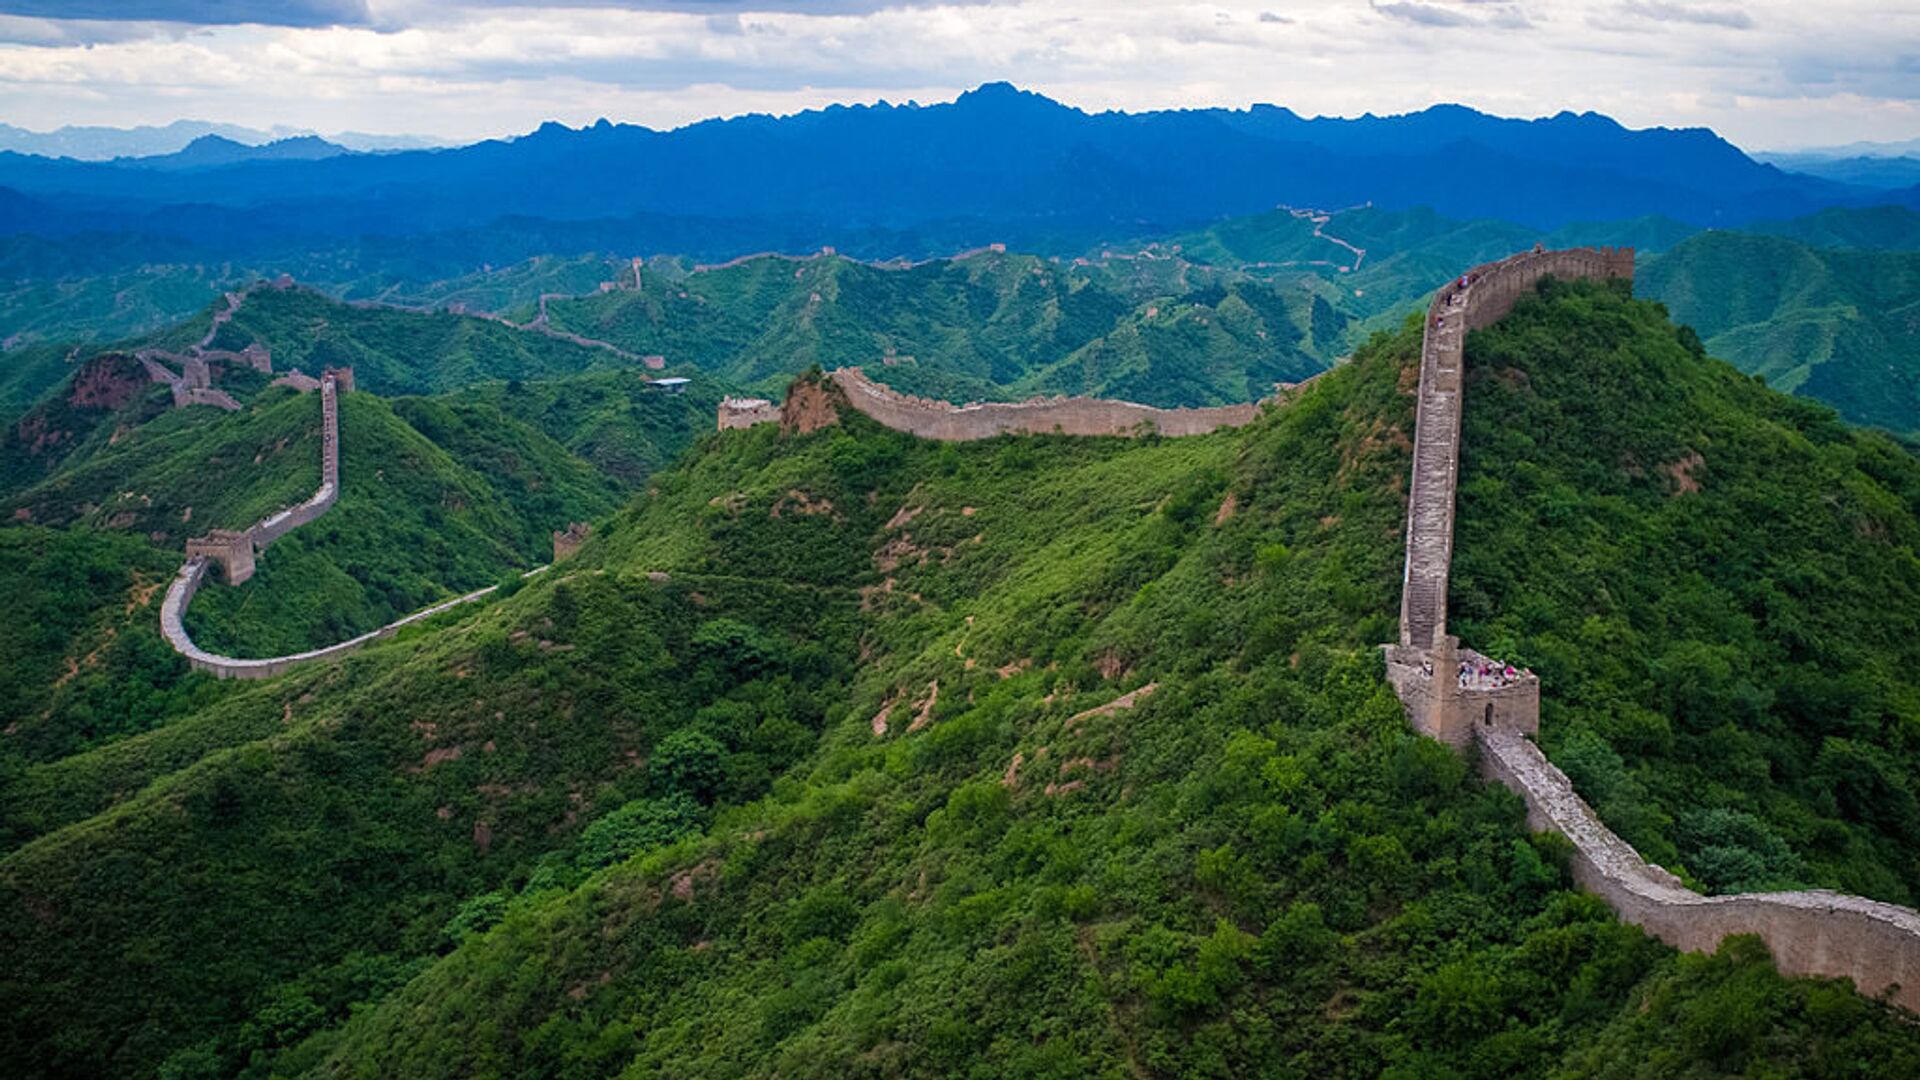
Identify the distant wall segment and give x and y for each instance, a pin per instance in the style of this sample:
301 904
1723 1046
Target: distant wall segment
1811 932
1066 416
235 551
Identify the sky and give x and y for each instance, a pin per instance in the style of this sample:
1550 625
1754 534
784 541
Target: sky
1767 74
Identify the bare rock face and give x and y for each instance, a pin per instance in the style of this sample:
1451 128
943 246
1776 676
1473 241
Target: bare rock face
812 403
106 382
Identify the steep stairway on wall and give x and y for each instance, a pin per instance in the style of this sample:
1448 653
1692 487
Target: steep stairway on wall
1812 932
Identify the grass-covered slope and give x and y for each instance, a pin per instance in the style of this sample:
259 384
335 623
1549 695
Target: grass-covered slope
847 753
85 662
421 516
1840 326
1718 586
615 420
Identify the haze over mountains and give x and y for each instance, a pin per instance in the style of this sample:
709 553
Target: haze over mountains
996 164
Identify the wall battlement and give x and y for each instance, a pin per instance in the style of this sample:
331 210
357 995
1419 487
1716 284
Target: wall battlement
1042 416
737 412
1809 932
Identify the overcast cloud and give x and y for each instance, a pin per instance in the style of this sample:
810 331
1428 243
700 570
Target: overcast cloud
1767 74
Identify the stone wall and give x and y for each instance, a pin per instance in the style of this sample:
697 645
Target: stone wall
568 542
223 545
1812 932
745 412
1066 416
174 608
234 552
1479 298
1440 706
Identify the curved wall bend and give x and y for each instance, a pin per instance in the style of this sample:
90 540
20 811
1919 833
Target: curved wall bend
235 551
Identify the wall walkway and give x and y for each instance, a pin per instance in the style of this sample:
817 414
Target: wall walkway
173 610
1066 416
1811 932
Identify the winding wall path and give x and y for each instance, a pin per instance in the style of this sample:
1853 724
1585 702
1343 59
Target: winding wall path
1810 932
173 610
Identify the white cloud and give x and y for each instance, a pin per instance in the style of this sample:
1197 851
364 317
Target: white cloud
1765 73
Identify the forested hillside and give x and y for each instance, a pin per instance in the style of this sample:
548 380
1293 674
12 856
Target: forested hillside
1838 325
989 325
1718 587
846 753
102 482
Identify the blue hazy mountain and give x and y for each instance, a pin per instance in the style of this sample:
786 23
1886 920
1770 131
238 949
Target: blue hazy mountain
996 164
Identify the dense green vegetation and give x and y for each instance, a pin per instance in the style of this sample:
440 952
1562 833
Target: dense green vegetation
85 660
989 325
1840 326
394 351
421 516
1718 586
615 420
814 761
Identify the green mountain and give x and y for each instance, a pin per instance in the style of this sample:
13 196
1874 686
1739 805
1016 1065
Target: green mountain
103 482
1840 326
843 752
1873 228
991 325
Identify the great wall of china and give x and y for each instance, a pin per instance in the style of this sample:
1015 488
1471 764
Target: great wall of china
235 552
947 422
1810 932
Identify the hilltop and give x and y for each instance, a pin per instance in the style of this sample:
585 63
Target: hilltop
1069 754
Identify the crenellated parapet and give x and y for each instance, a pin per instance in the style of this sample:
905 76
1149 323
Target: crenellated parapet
1477 299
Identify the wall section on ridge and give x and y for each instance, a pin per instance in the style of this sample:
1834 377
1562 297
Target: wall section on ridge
1809 932
1042 416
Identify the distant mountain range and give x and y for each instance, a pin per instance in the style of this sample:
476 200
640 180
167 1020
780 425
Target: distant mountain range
996 164
90 143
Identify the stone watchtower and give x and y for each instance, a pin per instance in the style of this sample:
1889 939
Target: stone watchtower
566 543
1450 692
232 550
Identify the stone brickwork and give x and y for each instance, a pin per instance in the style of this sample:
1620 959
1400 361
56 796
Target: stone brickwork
232 550
1812 932
745 412
1479 298
1066 416
1447 708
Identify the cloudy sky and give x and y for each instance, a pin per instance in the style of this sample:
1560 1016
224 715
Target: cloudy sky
1769 74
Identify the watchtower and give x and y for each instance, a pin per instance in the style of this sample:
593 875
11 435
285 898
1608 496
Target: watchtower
232 550
566 543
